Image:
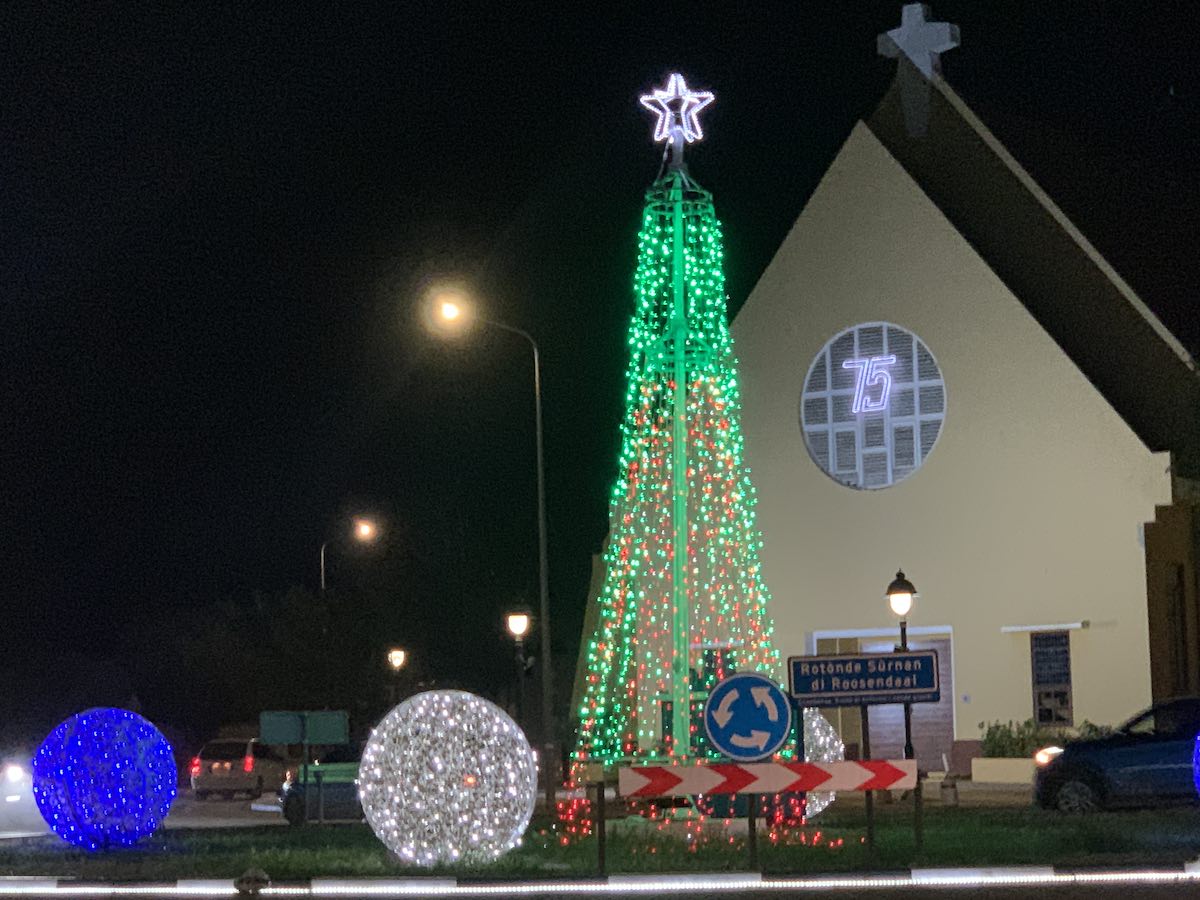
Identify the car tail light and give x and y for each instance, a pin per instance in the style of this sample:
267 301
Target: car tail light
194 769
247 763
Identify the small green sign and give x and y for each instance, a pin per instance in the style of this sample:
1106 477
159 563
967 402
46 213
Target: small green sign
323 726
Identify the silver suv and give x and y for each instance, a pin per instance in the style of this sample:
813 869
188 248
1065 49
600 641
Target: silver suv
227 767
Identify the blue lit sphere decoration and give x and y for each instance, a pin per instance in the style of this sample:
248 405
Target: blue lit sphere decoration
104 778
1196 764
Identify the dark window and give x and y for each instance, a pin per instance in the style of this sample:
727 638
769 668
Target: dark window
1050 652
1144 725
1177 721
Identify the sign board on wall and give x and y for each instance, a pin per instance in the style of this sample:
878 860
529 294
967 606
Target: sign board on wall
865 679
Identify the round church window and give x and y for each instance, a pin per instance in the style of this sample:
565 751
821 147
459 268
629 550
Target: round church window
872 406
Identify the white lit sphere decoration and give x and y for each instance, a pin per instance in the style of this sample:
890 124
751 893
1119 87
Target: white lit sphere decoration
821 744
447 777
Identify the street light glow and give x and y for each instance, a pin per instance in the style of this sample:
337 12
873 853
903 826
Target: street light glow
397 658
901 594
518 624
449 311
901 603
364 530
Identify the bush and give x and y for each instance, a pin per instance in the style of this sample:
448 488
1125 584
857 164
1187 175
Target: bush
1017 738
1089 730
1026 738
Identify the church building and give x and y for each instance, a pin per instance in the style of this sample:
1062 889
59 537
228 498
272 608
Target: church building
941 374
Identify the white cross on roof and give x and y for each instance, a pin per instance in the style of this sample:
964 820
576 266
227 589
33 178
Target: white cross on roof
919 39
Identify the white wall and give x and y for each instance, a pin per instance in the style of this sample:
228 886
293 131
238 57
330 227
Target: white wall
1028 510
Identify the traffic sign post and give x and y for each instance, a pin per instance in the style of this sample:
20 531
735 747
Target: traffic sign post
747 717
865 680
868 796
305 727
756 779
766 777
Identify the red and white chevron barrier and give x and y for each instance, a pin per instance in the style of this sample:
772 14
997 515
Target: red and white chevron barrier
766 778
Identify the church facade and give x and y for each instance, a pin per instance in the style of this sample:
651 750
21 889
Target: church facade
941 375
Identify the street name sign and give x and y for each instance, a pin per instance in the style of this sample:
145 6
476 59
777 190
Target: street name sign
766 778
865 679
747 717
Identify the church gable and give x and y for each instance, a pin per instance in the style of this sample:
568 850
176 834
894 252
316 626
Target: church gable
940 374
871 247
993 467
1059 277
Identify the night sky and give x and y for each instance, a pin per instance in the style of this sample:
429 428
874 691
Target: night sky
218 223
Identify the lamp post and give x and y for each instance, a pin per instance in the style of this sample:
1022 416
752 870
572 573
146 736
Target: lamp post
397 657
452 310
901 595
518 623
364 530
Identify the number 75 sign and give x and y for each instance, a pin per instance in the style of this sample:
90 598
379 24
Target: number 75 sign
872 372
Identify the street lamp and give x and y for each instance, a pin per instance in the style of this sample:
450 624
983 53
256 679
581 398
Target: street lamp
397 658
901 596
365 531
518 622
453 311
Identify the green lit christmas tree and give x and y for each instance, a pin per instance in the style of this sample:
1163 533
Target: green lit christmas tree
684 601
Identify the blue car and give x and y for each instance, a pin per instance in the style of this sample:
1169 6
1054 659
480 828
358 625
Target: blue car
329 791
1145 762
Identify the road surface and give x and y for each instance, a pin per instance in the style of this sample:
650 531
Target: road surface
22 820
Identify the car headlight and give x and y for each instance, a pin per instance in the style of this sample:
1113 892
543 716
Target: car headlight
1046 755
14 773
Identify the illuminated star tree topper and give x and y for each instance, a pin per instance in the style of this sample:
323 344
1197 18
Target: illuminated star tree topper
677 108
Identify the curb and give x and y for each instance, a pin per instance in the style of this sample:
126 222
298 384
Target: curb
616 885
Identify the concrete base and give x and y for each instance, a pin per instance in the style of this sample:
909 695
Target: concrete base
1003 770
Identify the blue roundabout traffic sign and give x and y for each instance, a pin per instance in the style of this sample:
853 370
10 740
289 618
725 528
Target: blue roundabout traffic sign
747 717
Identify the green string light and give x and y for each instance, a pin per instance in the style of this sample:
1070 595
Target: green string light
629 658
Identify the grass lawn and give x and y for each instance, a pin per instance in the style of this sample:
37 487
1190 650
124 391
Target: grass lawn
953 837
